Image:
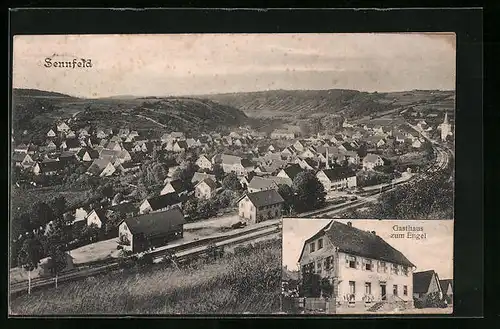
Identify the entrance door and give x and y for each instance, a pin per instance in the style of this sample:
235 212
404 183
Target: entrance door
383 292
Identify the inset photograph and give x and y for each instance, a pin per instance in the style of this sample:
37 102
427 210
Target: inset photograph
367 266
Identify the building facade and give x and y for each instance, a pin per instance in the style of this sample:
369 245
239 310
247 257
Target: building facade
362 267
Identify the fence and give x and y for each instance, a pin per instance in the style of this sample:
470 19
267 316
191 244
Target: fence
295 305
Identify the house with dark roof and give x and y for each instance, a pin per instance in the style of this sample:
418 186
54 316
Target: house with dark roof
425 283
67 157
22 159
199 176
145 232
180 146
50 168
261 184
97 217
205 188
71 144
203 162
337 178
101 168
447 289
371 161
361 266
87 155
290 171
232 163
176 186
259 206
308 164
160 203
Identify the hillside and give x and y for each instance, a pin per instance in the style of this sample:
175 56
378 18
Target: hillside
36 111
20 92
353 104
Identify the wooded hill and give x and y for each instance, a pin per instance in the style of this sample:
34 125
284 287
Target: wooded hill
347 103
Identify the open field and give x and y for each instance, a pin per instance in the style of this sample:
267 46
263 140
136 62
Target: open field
248 281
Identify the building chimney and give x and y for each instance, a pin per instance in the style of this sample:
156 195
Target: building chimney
349 224
374 233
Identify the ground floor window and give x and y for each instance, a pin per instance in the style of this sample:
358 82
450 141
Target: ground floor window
395 290
405 290
368 288
352 287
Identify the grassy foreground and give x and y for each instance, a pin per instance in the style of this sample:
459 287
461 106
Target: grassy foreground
247 281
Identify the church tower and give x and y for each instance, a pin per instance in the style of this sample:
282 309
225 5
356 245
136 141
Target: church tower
445 128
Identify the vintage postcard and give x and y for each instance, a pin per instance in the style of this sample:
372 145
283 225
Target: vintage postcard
150 173
367 266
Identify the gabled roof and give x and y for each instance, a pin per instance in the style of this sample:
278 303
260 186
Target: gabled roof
261 183
281 180
51 166
73 143
210 182
358 242
105 153
422 280
348 146
227 159
101 213
444 285
199 176
19 156
98 166
22 146
182 144
338 173
178 185
125 207
292 171
67 155
371 158
162 201
156 223
112 145
264 198
311 162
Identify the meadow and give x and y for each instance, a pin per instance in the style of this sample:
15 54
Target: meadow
247 281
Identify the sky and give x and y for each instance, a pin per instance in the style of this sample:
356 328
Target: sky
433 253
194 64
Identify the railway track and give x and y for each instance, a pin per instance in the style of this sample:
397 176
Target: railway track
182 253
443 156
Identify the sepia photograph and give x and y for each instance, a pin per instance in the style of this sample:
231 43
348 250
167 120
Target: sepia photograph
150 172
367 266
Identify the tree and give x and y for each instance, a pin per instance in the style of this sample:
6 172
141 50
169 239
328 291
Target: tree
310 285
57 261
205 209
308 191
58 205
231 182
224 198
42 214
191 208
29 256
286 193
218 172
326 288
